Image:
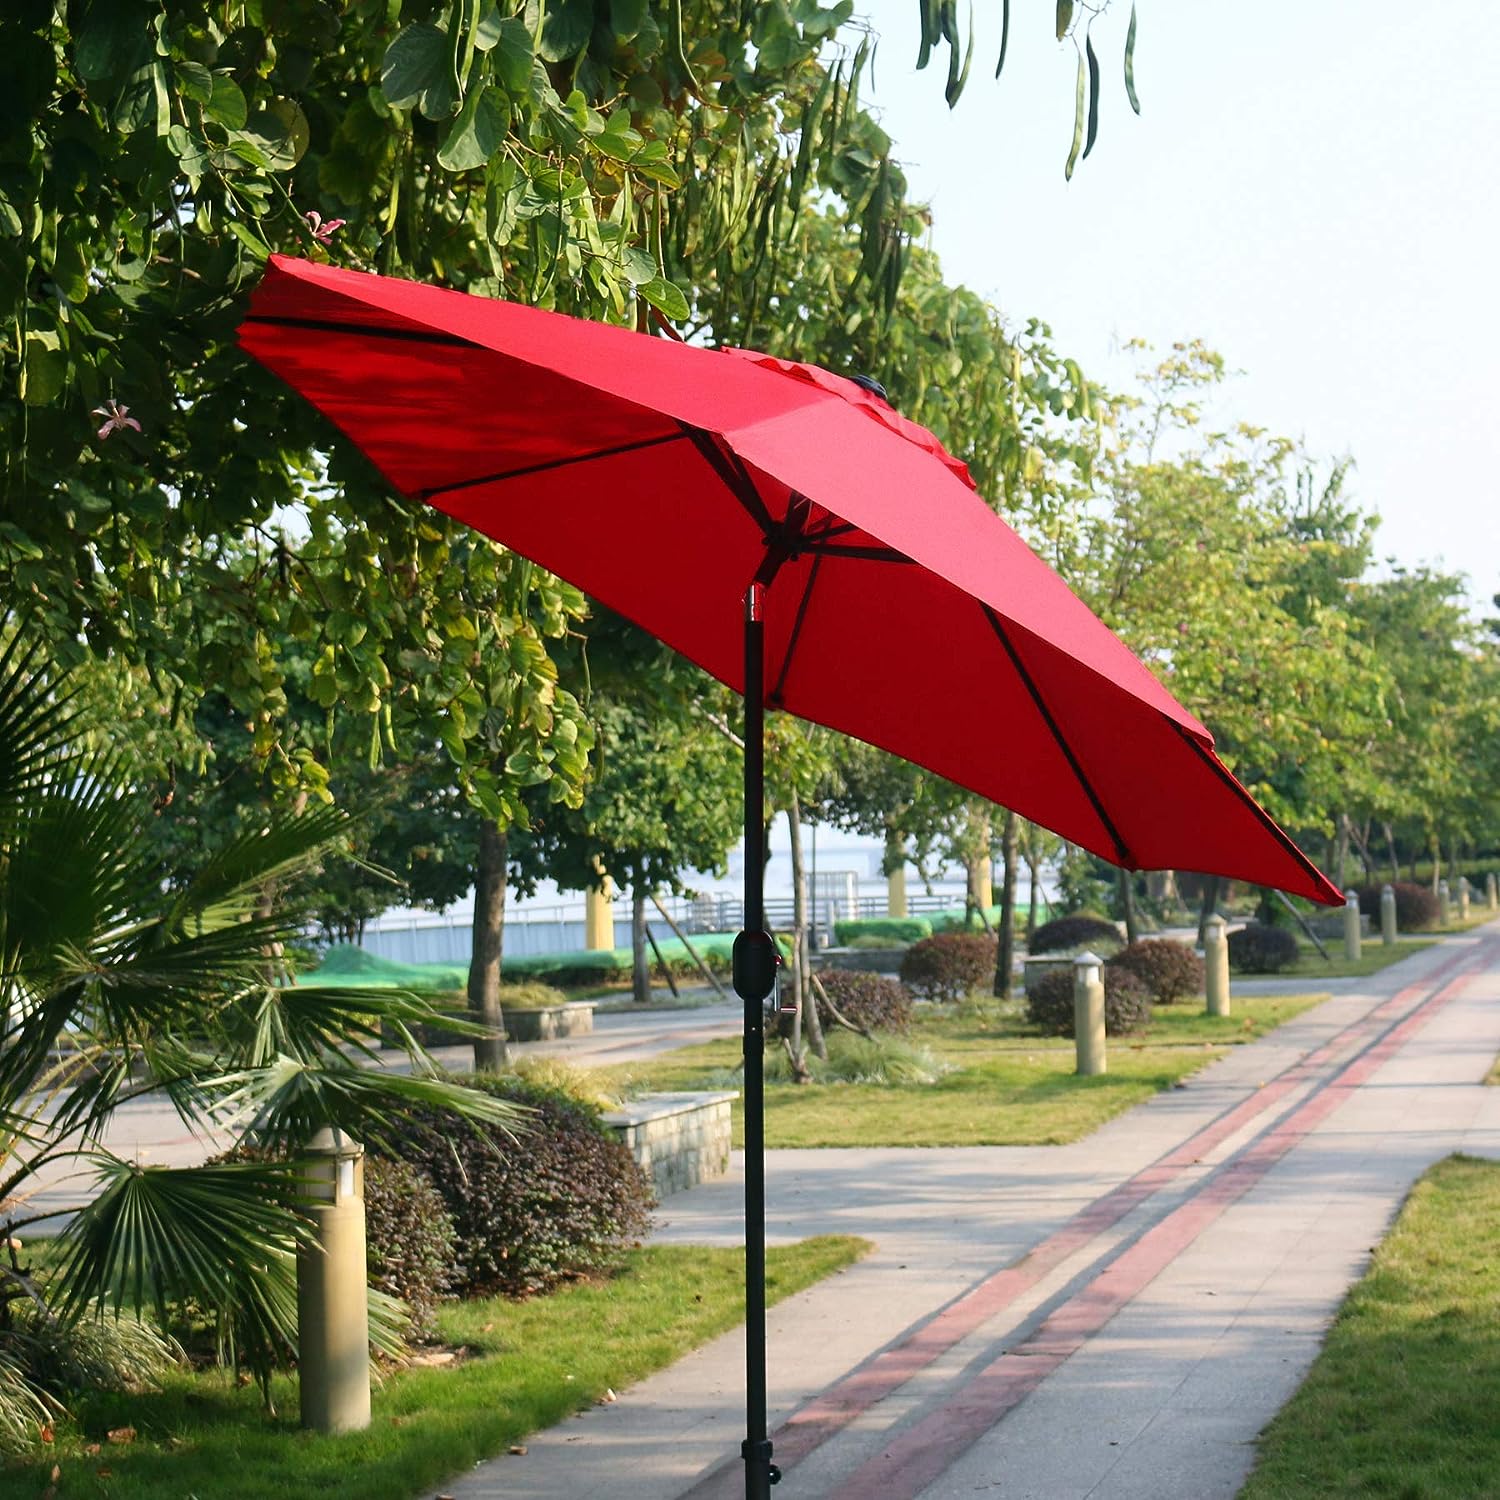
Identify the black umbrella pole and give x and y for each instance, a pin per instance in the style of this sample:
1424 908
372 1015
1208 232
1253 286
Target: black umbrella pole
755 982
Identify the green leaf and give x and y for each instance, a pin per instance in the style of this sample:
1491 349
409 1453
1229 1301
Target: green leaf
1080 92
478 132
1135 103
1093 65
513 57
280 133
46 368
194 81
566 28
417 61
666 298
140 102
113 38
640 267
1064 17
1004 34
627 17
226 103
487 27
10 220
248 238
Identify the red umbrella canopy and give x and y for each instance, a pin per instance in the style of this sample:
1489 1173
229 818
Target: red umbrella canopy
663 479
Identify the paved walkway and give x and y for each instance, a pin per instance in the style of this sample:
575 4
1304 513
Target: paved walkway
1111 1319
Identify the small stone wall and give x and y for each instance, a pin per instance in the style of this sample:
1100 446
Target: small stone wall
678 1140
548 1022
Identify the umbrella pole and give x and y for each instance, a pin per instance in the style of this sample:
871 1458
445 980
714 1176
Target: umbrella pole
755 961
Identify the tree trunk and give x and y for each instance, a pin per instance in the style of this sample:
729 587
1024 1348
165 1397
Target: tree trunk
1125 882
1031 865
490 1053
640 967
1341 852
1437 861
806 1007
1210 901
1390 843
1005 947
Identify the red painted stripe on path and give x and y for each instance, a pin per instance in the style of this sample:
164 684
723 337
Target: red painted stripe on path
923 1452
828 1413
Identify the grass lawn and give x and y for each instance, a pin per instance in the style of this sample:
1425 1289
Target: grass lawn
1402 1400
1374 956
1009 1086
528 1365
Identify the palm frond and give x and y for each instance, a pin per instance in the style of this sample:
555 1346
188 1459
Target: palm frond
36 721
221 1237
285 1102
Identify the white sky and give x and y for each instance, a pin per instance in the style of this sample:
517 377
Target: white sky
1311 189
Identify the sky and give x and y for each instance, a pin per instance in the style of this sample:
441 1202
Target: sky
1310 189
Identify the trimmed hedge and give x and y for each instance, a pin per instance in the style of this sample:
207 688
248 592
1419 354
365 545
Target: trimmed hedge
1259 949
873 1001
411 1247
1077 931
1127 1003
952 920
899 930
949 965
1416 907
1168 970
559 1202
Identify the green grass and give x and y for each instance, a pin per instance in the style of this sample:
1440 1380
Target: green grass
528 1366
1402 1401
1009 1087
1374 956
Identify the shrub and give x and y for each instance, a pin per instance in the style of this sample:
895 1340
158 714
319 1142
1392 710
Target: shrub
896 931
582 1084
1258 949
870 1000
556 1203
1127 1003
1077 931
1168 970
960 919
948 966
1416 907
411 1247
530 994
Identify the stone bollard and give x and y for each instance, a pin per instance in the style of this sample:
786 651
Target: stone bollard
333 1333
1351 927
1387 915
1463 898
1491 892
1088 1014
1216 967
1445 907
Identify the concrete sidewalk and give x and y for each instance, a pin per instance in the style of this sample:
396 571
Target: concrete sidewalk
1115 1318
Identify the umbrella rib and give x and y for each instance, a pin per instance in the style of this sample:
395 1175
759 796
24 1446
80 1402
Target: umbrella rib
1121 849
1220 770
734 474
553 463
366 330
791 645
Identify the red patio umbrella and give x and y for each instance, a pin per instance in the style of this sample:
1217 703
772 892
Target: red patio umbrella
799 539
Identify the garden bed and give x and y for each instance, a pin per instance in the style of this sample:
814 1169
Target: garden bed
678 1140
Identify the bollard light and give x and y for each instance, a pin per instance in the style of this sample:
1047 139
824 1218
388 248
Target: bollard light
1463 898
333 1330
1387 915
1088 1014
1351 927
1491 892
1216 966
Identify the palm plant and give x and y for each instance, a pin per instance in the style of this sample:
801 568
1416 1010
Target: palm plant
116 991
